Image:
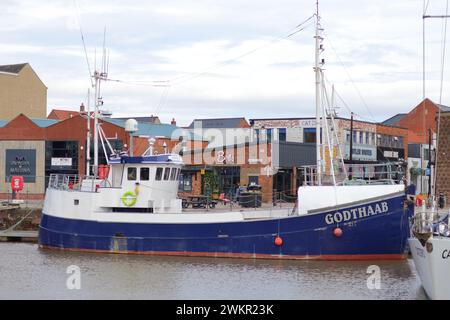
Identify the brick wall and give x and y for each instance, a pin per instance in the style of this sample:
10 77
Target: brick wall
420 119
443 157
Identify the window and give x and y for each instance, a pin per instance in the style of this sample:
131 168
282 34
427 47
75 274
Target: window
159 172
173 174
166 174
145 174
253 180
309 135
347 136
282 134
257 135
354 136
132 174
367 138
269 134
361 137
185 182
366 152
373 139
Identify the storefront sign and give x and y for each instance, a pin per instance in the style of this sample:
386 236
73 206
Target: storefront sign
391 154
21 162
61 162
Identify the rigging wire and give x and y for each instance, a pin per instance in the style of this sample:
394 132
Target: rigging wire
77 16
350 77
444 42
189 76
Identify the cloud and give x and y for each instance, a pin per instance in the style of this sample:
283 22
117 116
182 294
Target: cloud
221 55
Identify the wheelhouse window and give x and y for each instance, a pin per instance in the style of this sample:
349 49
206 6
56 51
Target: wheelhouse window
132 174
145 174
173 174
166 174
159 172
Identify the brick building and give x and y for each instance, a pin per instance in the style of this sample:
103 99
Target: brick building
419 120
443 157
37 148
21 91
273 166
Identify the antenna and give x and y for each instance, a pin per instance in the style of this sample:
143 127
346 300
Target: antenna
99 76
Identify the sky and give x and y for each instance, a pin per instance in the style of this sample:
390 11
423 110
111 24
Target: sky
228 58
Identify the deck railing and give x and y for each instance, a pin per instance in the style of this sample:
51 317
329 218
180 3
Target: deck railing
74 182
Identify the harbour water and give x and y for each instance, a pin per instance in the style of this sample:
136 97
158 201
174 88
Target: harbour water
29 273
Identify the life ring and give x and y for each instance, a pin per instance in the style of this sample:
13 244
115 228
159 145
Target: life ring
129 199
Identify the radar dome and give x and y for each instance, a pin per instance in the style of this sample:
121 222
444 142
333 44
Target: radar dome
131 125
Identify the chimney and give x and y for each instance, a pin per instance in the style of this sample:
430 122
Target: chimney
173 122
82 108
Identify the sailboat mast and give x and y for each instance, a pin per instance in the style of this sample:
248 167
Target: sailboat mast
318 70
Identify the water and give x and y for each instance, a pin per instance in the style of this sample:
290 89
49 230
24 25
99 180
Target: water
29 273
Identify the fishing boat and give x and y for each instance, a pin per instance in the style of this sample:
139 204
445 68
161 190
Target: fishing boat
132 208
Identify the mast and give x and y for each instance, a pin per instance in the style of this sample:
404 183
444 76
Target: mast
88 141
318 71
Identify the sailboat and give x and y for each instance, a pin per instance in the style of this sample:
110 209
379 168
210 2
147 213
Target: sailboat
133 209
430 236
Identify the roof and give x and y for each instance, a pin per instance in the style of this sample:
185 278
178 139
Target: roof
12 68
154 130
443 108
151 119
395 119
59 114
219 123
44 123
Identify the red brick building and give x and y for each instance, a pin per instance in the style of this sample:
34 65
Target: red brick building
443 157
419 120
36 148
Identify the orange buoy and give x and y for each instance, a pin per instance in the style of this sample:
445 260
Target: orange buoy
338 232
278 241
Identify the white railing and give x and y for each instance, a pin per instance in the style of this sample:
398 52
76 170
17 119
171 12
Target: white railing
360 174
75 182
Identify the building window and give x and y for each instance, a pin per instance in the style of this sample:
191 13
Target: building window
253 180
145 174
367 138
309 135
185 182
374 142
132 174
400 142
282 134
361 137
159 172
257 135
269 134
173 174
355 136
347 136
166 174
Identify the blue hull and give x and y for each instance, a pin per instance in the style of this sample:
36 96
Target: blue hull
366 234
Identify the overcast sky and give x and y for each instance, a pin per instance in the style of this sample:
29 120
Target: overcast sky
226 58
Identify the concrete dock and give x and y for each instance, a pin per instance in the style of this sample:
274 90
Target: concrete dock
19 236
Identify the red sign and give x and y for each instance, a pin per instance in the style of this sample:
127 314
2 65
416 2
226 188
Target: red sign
17 183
